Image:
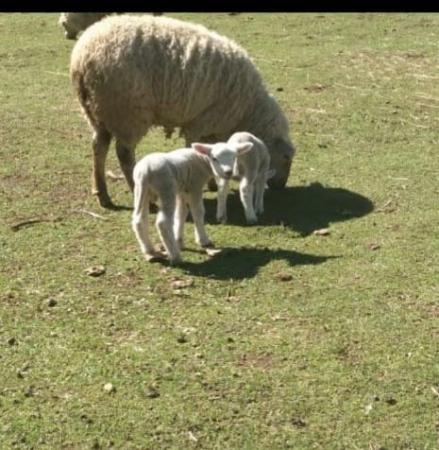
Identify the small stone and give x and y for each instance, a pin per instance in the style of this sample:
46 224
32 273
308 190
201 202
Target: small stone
51 302
152 392
182 339
322 232
30 392
284 277
95 271
109 388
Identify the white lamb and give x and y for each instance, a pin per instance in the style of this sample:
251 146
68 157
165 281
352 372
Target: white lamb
252 170
176 180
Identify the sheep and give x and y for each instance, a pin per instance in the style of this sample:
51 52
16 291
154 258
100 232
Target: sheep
176 179
252 170
134 72
75 22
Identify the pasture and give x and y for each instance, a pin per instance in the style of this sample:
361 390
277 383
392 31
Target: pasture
286 339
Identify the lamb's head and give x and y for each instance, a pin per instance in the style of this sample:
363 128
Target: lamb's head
222 156
281 152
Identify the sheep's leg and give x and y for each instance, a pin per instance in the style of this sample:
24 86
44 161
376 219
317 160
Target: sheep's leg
181 212
246 189
259 194
101 145
221 206
127 161
140 220
197 210
164 224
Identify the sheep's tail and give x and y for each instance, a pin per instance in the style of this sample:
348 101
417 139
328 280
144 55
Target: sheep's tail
83 95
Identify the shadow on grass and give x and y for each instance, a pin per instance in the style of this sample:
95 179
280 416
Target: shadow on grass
301 208
244 262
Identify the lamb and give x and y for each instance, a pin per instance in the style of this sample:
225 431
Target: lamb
252 169
134 72
75 22
176 180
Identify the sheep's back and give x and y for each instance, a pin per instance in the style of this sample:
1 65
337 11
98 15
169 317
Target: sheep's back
147 70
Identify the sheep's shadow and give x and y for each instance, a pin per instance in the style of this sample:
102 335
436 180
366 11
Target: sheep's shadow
244 262
301 208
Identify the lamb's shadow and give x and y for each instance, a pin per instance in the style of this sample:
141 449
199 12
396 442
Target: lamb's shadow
244 262
301 208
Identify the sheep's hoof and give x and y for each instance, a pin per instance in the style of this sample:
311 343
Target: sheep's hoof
208 244
104 200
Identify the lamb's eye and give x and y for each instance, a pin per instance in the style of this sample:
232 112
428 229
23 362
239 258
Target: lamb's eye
214 159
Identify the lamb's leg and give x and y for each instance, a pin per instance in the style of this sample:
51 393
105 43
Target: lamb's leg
197 210
221 206
127 161
181 212
259 194
100 145
140 220
246 189
164 224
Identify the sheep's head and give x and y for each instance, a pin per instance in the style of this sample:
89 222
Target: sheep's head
281 153
222 156
74 23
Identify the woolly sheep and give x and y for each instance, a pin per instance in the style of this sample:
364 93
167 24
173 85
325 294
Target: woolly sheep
134 72
176 180
252 170
75 22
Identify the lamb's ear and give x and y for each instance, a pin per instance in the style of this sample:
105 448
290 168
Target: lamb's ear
270 173
243 148
204 149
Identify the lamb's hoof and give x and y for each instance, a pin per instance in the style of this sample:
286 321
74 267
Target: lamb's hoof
155 257
252 221
208 244
175 261
222 219
213 251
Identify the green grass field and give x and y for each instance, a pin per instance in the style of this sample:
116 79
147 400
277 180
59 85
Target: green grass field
286 340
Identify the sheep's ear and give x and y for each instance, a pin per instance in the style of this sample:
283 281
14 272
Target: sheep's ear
244 148
204 149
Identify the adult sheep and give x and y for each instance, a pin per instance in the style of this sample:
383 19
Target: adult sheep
75 22
134 72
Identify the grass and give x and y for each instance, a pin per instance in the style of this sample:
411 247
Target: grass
286 340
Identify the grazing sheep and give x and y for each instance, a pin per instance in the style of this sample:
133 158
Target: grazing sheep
252 170
75 22
134 72
176 180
